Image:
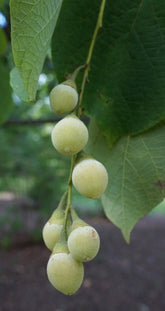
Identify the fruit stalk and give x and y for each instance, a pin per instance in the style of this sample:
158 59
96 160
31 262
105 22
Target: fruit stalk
79 110
69 192
89 56
76 72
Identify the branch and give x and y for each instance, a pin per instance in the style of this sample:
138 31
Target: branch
89 56
32 122
36 122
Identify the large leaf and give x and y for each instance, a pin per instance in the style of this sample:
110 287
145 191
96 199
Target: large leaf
32 25
136 168
3 42
126 89
6 103
17 85
1 3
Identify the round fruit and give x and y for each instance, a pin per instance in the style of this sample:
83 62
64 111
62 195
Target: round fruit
51 233
90 178
63 99
69 135
65 273
84 243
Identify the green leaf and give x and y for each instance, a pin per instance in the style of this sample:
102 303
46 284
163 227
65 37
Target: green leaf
3 42
1 3
136 168
6 103
17 85
126 89
32 26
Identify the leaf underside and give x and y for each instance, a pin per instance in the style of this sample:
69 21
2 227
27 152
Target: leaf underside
17 85
32 26
136 169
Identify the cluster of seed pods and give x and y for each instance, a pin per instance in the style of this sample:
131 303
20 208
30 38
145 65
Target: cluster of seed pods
72 242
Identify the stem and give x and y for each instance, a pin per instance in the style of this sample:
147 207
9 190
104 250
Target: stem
69 191
75 73
79 111
89 56
71 169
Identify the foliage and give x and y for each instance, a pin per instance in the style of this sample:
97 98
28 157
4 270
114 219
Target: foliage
3 40
6 101
37 171
32 26
125 92
125 95
136 167
17 85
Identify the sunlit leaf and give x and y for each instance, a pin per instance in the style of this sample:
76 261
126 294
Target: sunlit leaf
17 85
32 26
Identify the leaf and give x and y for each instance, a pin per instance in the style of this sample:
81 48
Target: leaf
3 42
32 26
136 168
126 89
17 85
6 103
1 3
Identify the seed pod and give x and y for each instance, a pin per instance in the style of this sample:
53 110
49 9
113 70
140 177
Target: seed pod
69 135
51 233
64 272
90 178
84 243
52 229
64 97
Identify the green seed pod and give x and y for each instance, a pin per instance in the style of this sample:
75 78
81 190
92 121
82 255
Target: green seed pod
69 135
51 234
64 272
84 243
52 229
90 178
64 97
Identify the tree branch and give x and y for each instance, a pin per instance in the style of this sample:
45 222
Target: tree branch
32 122
36 122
